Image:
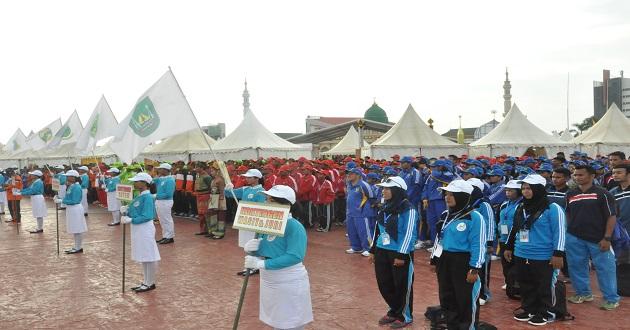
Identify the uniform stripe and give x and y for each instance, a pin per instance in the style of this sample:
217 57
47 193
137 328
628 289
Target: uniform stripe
482 243
406 312
561 227
410 223
475 297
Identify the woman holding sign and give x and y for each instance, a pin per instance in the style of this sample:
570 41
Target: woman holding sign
75 220
141 213
285 294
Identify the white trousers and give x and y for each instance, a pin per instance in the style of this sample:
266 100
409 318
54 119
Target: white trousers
164 209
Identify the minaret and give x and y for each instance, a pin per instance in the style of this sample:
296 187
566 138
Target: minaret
245 100
460 132
507 97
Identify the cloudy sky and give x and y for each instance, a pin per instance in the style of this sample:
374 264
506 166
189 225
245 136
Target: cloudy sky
328 58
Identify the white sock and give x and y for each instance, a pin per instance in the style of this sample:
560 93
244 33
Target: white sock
40 223
116 216
1 207
78 241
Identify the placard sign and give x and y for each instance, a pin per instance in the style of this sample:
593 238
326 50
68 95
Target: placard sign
124 192
262 218
55 184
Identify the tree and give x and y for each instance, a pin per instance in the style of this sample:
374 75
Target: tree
585 124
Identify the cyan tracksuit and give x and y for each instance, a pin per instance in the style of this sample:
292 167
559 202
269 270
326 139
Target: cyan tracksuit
111 183
145 209
36 188
359 197
431 193
487 213
284 251
506 218
164 187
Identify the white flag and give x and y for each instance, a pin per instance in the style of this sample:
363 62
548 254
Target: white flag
40 139
102 124
17 143
68 133
161 112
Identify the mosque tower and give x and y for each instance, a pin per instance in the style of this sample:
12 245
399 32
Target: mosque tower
245 100
507 97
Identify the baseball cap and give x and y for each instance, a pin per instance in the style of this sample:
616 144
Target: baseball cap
394 181
281 191
406 159
253 173
373 175
83 168
477 183
165 166
113 170
496 172
513 184
73 173
356 170
36 173
458 186
534 179
142 177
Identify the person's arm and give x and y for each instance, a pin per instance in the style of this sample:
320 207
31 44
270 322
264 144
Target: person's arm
609 210
143 213
477 244
296 250
558 231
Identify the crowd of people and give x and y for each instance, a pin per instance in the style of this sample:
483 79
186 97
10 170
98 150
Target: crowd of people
539 216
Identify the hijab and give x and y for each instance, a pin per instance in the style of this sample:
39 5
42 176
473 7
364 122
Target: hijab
388 213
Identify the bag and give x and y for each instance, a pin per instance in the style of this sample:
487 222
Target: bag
512 288
623 280
560 307
435 315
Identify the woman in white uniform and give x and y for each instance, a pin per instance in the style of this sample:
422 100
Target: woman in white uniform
85 184
75 220
141 213
285 294
113 204
38 203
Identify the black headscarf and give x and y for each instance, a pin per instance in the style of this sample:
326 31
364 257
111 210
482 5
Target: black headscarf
391 209
539 200
463 205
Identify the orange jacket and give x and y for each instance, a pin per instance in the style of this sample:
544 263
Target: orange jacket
14 182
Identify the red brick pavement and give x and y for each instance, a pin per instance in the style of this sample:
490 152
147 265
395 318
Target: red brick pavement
198 288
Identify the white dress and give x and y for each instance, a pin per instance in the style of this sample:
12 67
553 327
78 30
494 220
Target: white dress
285 297
38 203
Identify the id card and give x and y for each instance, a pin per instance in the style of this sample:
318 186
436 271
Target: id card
385 239
438 250
524 236
504 230
16 192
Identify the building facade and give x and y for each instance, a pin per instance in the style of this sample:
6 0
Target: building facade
611 91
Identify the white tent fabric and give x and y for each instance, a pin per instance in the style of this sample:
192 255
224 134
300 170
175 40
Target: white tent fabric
566 136
610 133
410 136
180 146
251 140
514 135
348 144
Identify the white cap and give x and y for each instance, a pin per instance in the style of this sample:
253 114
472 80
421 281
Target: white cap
253 173
83 168
394 181
142 177
59 167
477 183
534 179
513 184
113 170
281 191
73 173
165 166
36 173
458 186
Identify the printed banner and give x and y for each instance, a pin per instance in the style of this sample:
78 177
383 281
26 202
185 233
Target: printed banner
262 218
124 192
55 184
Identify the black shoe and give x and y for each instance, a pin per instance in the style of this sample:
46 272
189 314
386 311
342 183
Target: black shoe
137 287
145 288
201 233
36 231
114 224
2 213
159 241
254 272
85 214
523 317
241 273
537 320
166 241
208 235
73 251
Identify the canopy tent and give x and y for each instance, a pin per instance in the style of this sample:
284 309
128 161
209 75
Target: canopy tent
412 137
348 144
610 133
514 135
179 147
252 140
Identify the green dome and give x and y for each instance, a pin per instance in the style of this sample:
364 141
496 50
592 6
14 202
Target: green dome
376 113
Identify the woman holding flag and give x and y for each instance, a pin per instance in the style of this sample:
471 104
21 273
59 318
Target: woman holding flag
75 220
113 204
38 203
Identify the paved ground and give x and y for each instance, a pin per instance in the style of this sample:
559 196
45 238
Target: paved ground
198 288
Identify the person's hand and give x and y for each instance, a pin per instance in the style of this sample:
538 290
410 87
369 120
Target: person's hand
371 258
229 186
125 220
507 254
556 262
252 262
398 262
425 204
472 276
252 245
57 200
123 209
604 245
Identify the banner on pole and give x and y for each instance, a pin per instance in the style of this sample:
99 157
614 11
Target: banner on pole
262 218
124 192
55 184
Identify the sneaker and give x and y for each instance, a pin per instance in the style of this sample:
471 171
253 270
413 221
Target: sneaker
523 317
365 253
430 250
482 301
609 305
537 320
386 320
399 324
351 251
504 287
578 299
419 245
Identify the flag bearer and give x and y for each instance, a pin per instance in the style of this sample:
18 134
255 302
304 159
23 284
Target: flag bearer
38 203
85 185
165 190
75 218
113 204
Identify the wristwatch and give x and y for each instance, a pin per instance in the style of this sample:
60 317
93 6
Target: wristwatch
608 238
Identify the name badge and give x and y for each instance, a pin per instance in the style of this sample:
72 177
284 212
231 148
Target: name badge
504 230
385 239
524 236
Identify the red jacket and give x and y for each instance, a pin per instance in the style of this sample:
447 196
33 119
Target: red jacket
286 181
269 180
325 193
307 188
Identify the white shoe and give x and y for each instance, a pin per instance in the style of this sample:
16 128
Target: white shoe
351 251
365 253
482 301
493 258
418 245
504 286
430 250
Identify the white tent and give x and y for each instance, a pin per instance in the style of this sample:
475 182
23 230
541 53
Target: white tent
348 144
252 140
566 135
514 135
610 133
410 136
179 147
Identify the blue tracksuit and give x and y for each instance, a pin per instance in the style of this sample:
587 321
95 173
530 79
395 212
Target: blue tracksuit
36 188
466 235
496 194
506 218
437 205
622 197
247 193
164 187
142 208
73 194
546 236
285 251
111 183
371 209
487 213
407 232
415 182
358 197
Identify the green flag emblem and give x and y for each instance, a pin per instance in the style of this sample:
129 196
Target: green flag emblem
94 127
45 134
16 146
144 119
64 133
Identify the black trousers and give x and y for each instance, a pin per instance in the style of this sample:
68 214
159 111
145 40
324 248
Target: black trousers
395 283
484 275
180 205
340 209
231 206
458 298
192 203
14 210
535 278
504 263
